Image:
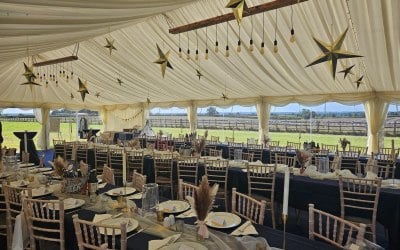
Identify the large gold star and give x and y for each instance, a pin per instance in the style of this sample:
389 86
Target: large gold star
110 45
163 60
82 89
238 7
359 81
332 52
31 83
29 75
347 70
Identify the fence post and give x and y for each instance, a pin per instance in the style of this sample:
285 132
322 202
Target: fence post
395 128
340 126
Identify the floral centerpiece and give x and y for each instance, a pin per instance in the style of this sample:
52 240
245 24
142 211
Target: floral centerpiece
343 143
266 140
303 158
73 180
199 144
60 166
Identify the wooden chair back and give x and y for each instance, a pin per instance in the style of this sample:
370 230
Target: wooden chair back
229 139
59 148
232 146
350 160
293 146
276 150
134 161
115 161
247 207
45 220
290 161
100 157
248 157
188 169
81 152
252 141
13 198
108 175
215 153
261 185
360 150
360 195
163 164
185 189
382 171
207 148
3 214
138 180
333 229
99 237
332 148
214 139
69 150
256 150
217 173
388 151
273 143
386 159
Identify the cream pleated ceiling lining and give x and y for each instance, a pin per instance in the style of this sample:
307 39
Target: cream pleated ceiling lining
136 27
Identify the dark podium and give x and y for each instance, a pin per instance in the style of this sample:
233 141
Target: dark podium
31 148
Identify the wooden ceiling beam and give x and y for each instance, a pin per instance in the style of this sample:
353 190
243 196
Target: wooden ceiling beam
230 16
55 61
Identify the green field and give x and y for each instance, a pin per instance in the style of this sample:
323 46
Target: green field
68 132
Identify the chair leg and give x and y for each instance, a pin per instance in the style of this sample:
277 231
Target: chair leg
273 216
298 216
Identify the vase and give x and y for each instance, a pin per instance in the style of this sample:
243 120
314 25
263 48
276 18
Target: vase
202 232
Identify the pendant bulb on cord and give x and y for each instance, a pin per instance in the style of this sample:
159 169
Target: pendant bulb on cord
180 49
188 50
251 47
227 46
292 36
262 50
206 54
216 39
239 47
275 49
196 57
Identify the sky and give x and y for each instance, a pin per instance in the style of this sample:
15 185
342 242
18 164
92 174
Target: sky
293 107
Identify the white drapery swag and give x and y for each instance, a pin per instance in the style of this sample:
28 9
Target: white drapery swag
128 118
263 114
42 116
192 116
375 113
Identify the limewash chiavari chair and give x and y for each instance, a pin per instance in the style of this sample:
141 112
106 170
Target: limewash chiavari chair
108 175
179 142
232 146
214 139
45 220
261 183
163 164
257 150
333 229
13 199
115 161
69 150
207 148
3 214
290 161
293 146
134 161
276 150
97 236
252 141
81 152
185 189
248 157
332 148
138 180
360 195
100 157
350 160
388 151
59 148
188 169
386 159
360 150
215 153
273 143
217 173
247 207
382 171
229 140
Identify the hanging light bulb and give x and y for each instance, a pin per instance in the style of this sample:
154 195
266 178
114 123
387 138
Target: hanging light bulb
57 83
262 50
206 56
180 52
275 46
196 57
63 73
44 76
188 54
67 78
251 47
216 47
47 83
239 47
72 75
227 51
292 36
216 39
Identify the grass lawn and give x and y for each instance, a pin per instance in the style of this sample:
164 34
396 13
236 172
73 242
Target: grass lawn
68 133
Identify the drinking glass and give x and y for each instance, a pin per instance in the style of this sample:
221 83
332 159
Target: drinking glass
150 199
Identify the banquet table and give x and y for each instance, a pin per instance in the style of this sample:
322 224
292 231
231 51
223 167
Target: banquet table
140 241
31 148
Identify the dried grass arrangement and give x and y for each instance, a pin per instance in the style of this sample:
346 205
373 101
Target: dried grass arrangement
266 140
60 166
199 144
343 143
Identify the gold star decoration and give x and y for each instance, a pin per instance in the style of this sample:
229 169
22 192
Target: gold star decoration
163 60
31 83
347 70
97 94
332 52
238 7
110 45
29 75
120 82
83 89
198 73
359 81
224 96
72 96
148 101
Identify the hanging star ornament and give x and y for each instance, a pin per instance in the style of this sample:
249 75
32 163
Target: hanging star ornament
120 82
29 75
31 83
163 60
82 89
110 45
224 96
198 74
148 101
359 81
332 52
238 7
97 94
347 70
72 96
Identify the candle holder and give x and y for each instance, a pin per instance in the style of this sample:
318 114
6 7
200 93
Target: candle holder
284 219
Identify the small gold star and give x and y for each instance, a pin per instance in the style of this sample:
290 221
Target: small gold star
332 52
347 70
238 7
31 83
148 101
224 96
163 60
198 73
359 81
72 96
110 45
97 94
120 82
83 89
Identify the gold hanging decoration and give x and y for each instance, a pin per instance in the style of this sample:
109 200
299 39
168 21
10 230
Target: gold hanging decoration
347 70
163 60
238 7
110 45
83 89
359 81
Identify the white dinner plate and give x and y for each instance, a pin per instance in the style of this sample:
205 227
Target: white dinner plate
132 225
39 192
25 165
69 203
40 170
223 220
174 206
136 196
22 183
188 244
121 191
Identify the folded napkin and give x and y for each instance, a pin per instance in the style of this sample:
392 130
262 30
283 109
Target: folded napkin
245 229
371 175
169 207
187 214
102 185
218 221
157 244
101 217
